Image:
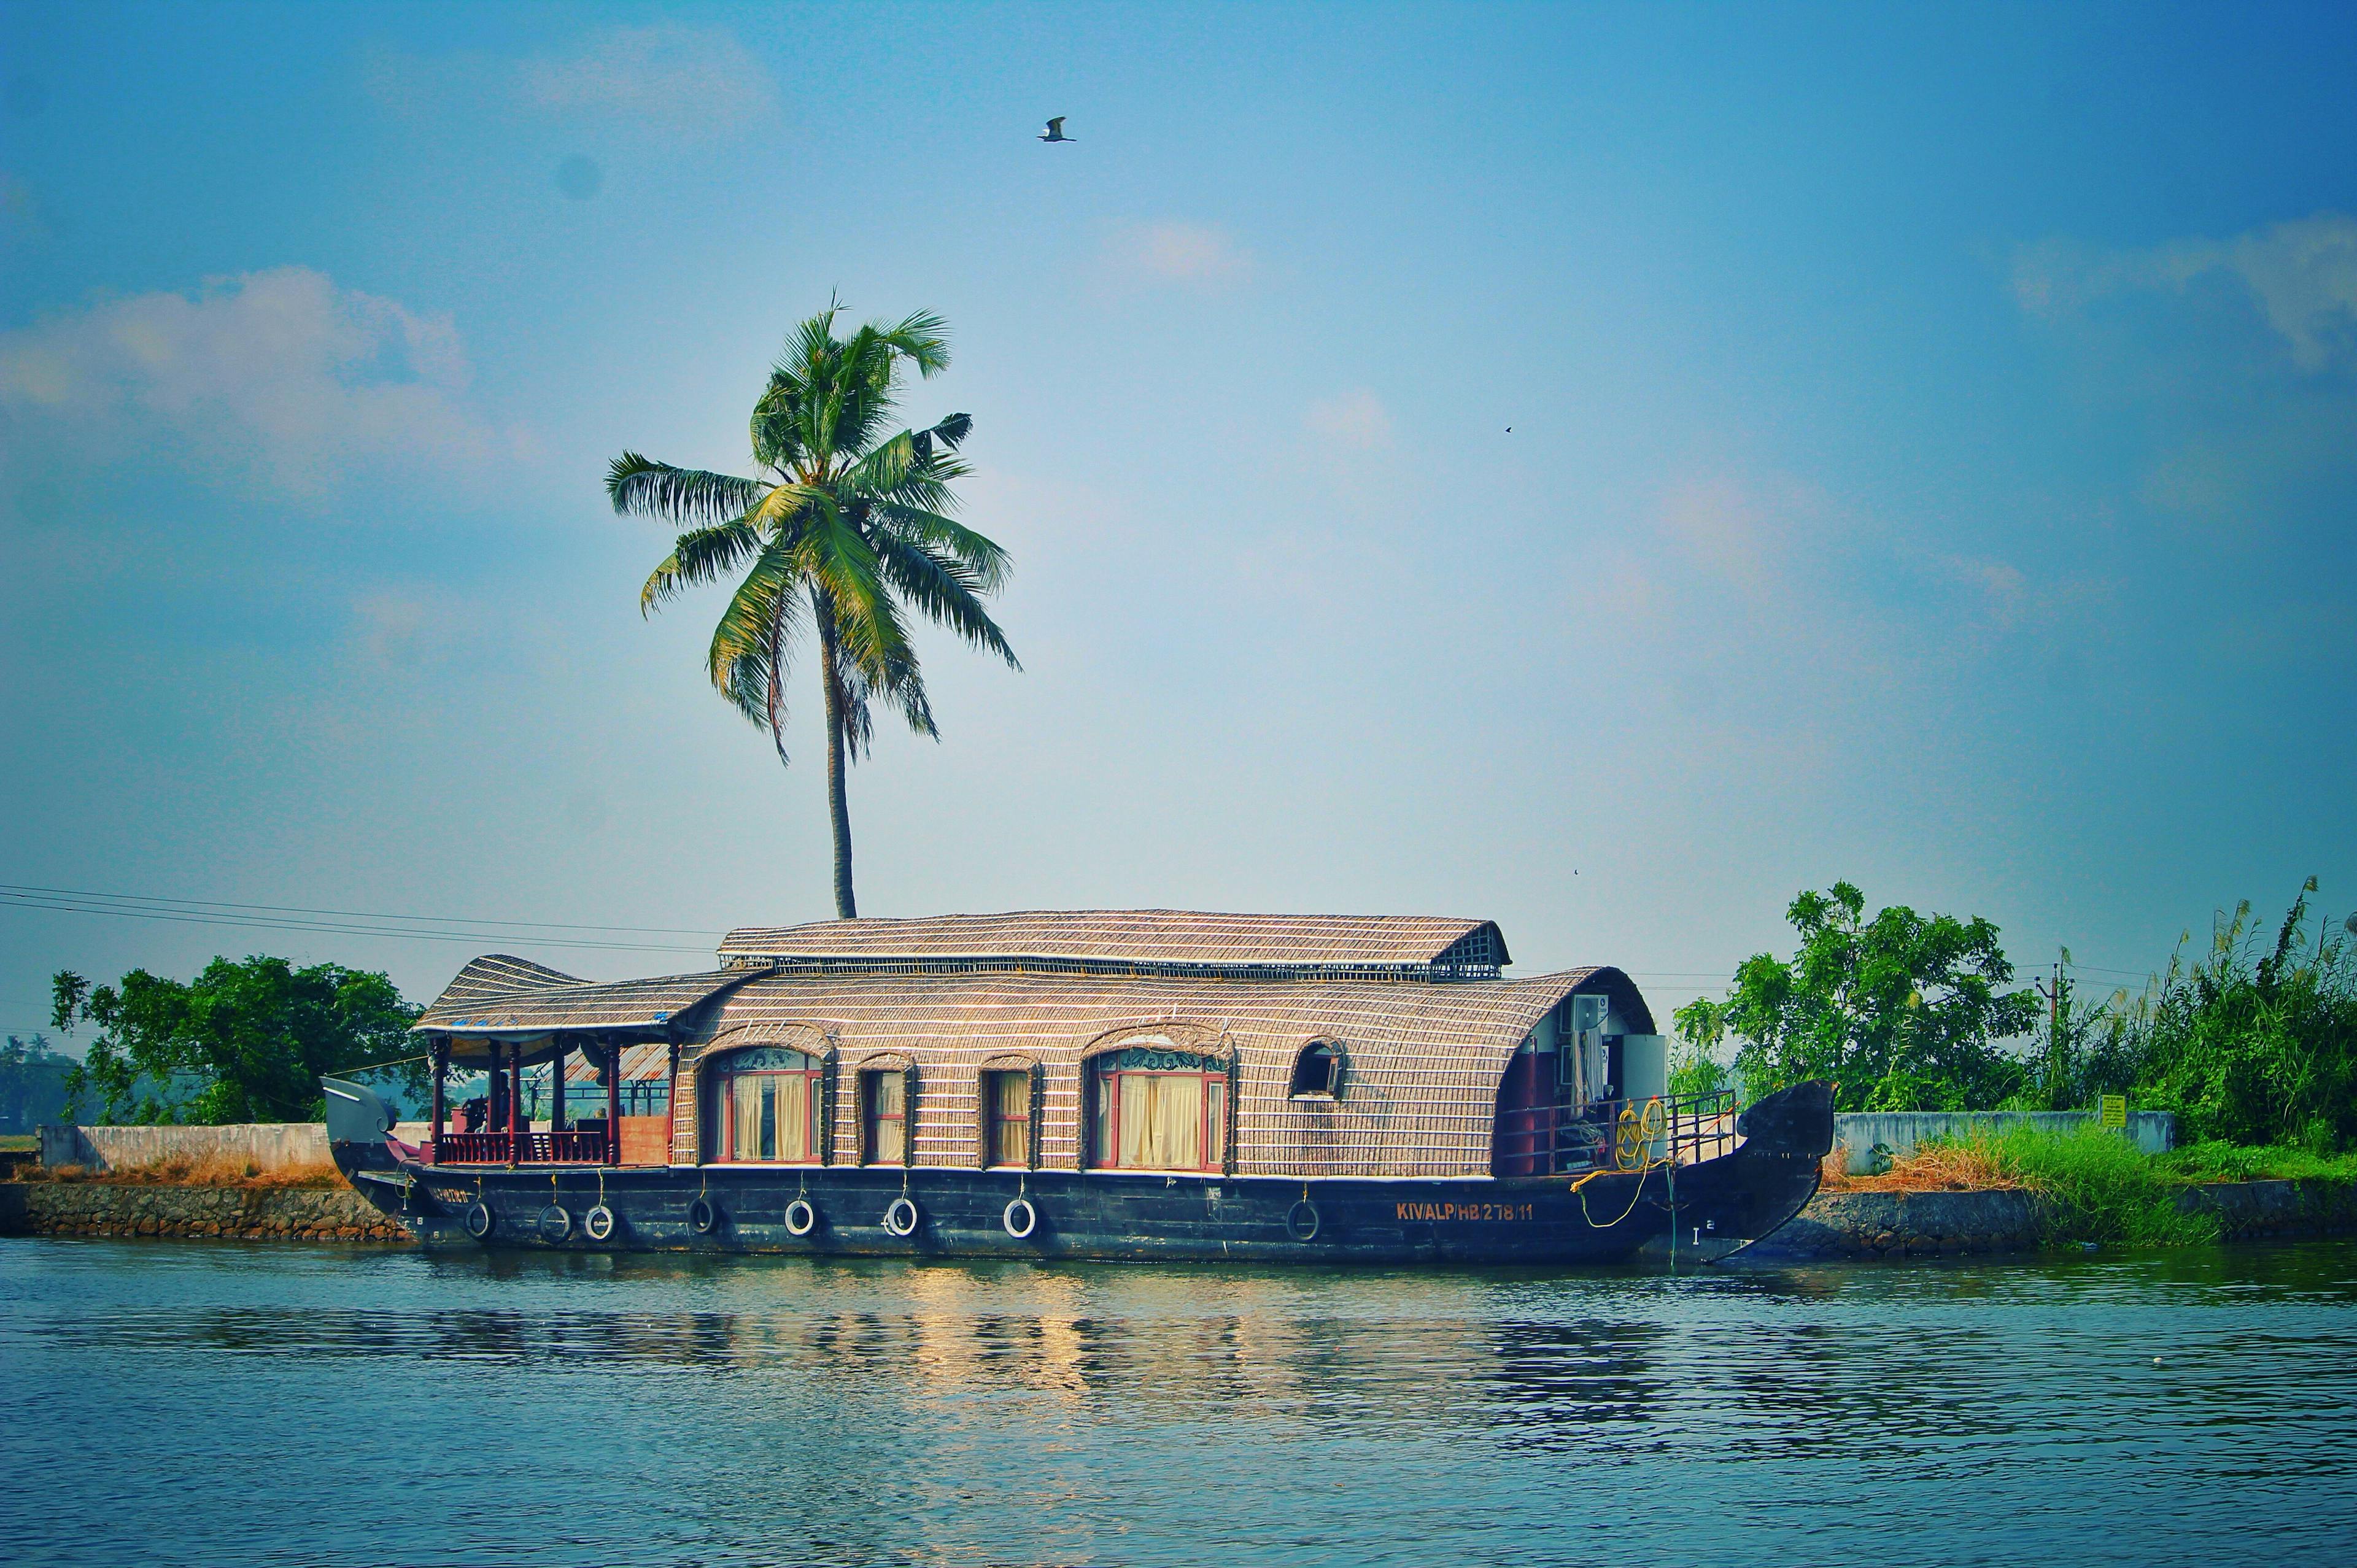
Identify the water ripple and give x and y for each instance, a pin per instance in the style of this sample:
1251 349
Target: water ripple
277 1404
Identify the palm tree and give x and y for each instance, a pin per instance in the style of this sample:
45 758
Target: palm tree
847 526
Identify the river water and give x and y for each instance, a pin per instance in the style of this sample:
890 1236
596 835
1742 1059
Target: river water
191 1403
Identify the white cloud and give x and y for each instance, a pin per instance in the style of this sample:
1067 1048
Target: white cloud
1196 254
693 82
390 628
19 213
2301 276
1999 587
1354 419
1741 529
280 374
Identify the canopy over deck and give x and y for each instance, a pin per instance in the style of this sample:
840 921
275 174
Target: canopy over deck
501 998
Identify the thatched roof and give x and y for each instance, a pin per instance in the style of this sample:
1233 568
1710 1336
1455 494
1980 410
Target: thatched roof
498 975
1136 937
499 996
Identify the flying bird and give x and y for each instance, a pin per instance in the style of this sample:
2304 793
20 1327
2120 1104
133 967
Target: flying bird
1055 131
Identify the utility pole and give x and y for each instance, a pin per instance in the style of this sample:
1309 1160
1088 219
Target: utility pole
2053 995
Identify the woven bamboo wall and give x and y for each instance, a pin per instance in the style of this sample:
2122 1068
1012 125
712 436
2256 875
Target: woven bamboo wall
1418 1096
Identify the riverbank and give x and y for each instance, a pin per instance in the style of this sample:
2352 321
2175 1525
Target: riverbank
1897 1225
2025 1187
242 1211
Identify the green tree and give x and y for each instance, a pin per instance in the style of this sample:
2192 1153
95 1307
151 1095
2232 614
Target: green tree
848 523
1899 1013
32 1083
252 1038
1696 1070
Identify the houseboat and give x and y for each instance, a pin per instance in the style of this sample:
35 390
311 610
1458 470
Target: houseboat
1106 1084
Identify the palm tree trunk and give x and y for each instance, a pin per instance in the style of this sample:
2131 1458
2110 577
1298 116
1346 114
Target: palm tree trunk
838 806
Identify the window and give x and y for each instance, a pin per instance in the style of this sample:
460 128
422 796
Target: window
766 1100
1160 1109
1006 1116
1317 1071
884 1106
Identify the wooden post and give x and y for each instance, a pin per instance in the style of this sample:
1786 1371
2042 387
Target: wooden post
613 1104
440 1055
495 1091
516 1121
670 1119
556 1089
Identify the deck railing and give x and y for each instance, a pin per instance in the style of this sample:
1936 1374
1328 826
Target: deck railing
1556 1139
580 1147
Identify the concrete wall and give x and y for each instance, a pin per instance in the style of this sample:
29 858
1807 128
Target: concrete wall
265 1145
1857 1132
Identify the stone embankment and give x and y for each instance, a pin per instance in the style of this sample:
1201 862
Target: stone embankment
249 1213
1872 1224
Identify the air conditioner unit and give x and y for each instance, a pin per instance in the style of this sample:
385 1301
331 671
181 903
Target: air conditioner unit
1585 1044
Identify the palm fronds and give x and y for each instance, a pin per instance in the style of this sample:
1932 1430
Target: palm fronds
850 529
638 485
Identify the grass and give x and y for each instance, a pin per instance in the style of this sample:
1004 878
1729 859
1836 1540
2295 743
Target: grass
2101 1188
19 1142
2232 1162
191 1172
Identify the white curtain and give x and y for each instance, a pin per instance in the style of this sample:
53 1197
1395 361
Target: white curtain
887 1127
747 1100
793 1116
1161 1122
1011 1114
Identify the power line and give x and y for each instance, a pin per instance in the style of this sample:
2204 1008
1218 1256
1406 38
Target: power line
352 914
181 914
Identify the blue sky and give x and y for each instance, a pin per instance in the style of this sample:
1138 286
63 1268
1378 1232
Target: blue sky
1932 462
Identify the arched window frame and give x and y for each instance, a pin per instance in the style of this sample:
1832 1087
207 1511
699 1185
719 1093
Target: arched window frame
716 1074
1098 1120
1337 1070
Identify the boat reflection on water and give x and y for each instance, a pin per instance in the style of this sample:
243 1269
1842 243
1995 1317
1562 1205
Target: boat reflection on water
740 1410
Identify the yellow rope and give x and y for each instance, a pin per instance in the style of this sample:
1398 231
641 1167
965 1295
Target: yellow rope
1633 1141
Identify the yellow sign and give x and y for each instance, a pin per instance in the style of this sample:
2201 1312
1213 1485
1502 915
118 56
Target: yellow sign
2111 1110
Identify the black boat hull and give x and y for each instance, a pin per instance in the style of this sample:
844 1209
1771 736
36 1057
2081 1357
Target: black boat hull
1711 1208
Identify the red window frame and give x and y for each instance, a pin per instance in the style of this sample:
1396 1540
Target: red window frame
996 1119
1105 1073
724 1089
871 1120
